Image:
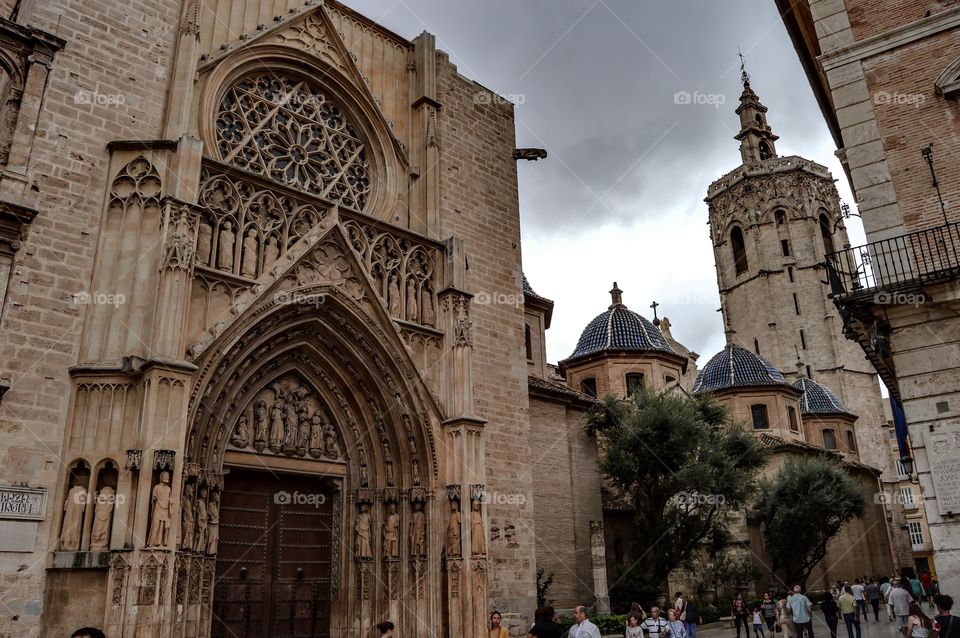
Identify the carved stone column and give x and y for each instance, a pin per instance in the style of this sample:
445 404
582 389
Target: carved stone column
179 233
598 560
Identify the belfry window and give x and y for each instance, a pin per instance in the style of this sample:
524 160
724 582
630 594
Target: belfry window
781 217
826 234
764 151
739 250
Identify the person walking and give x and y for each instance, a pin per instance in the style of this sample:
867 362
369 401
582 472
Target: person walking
944 622
675 625
768 610
849 611
740 613
858 595
885 588
900 598
690 618
583 627
926 582
801 606
831 613
872 593
785 617
545 625
918 624
916 587
757 623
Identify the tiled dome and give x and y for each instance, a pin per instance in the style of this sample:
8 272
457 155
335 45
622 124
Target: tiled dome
818 399
619 329
736 367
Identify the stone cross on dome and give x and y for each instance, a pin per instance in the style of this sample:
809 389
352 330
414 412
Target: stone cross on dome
656 319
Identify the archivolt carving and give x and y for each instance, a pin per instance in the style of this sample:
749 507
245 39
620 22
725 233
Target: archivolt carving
245 228
288 130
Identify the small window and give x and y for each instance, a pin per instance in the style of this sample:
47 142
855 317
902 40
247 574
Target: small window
764 151
668 380
790 273
803 340
829 440
529 342
785 247
759 414
780 216
589 387
759 120
634 383
826 232
796 303
916 532
792 418
739 250
851 441
906 495
756 345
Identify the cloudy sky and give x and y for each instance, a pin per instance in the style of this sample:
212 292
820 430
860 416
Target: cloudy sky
620 197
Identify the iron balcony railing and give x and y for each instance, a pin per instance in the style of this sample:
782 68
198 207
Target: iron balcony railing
887 266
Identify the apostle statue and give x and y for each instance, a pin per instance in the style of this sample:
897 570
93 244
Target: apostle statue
418 530
393 296
204 238
248 265
260 426
271 252
303 435
225 249
187 520
73 509
213 522
426 302
478 539
316 436
160 519
200 537
363 530
453 545
412 313
102 516
391 533
276 426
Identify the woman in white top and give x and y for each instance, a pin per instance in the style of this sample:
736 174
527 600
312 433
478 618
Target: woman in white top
918 624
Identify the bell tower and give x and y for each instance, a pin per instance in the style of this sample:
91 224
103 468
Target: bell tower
772 220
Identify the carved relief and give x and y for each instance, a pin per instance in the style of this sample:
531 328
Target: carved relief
289 131
311 35
119 568
178 249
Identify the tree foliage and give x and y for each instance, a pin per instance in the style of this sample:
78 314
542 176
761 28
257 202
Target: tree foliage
801 509
681 466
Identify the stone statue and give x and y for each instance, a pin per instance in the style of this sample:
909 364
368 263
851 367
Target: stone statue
363 530
413 314
160 520
187 520
391 533
200 537
73 509
331 449
213 522
453 530
426 303
260 427
276 426
393 296
204 239
303 436
225 249
316 436
102 515
248 265
478 539
290 423
418 531
241 435
271 252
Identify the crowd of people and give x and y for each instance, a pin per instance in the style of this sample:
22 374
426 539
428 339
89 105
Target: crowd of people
788 613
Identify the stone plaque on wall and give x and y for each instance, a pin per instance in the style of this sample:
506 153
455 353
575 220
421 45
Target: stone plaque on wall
943 450
22 503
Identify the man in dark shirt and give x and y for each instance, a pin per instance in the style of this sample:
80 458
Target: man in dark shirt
545 627
872 593
944 622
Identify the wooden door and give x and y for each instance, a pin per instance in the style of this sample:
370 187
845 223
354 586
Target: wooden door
274 560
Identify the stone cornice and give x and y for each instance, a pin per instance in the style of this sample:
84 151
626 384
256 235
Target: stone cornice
891 39
767 167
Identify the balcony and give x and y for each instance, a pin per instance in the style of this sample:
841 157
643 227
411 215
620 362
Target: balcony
865 279
883 268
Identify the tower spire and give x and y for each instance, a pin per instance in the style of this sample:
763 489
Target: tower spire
757 141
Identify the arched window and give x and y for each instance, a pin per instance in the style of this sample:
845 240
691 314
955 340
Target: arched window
758 413
792 418
764 151
739 250
829 440
827 234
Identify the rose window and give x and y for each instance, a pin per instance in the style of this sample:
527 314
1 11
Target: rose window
289 131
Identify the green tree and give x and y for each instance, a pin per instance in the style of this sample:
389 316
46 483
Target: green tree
680 465
801 509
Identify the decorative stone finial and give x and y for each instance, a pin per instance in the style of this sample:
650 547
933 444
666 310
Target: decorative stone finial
616 296
656 319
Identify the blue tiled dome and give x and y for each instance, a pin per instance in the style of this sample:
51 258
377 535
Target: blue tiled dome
736 367
817 398
619 329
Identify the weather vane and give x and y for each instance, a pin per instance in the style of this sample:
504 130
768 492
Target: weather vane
744 76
